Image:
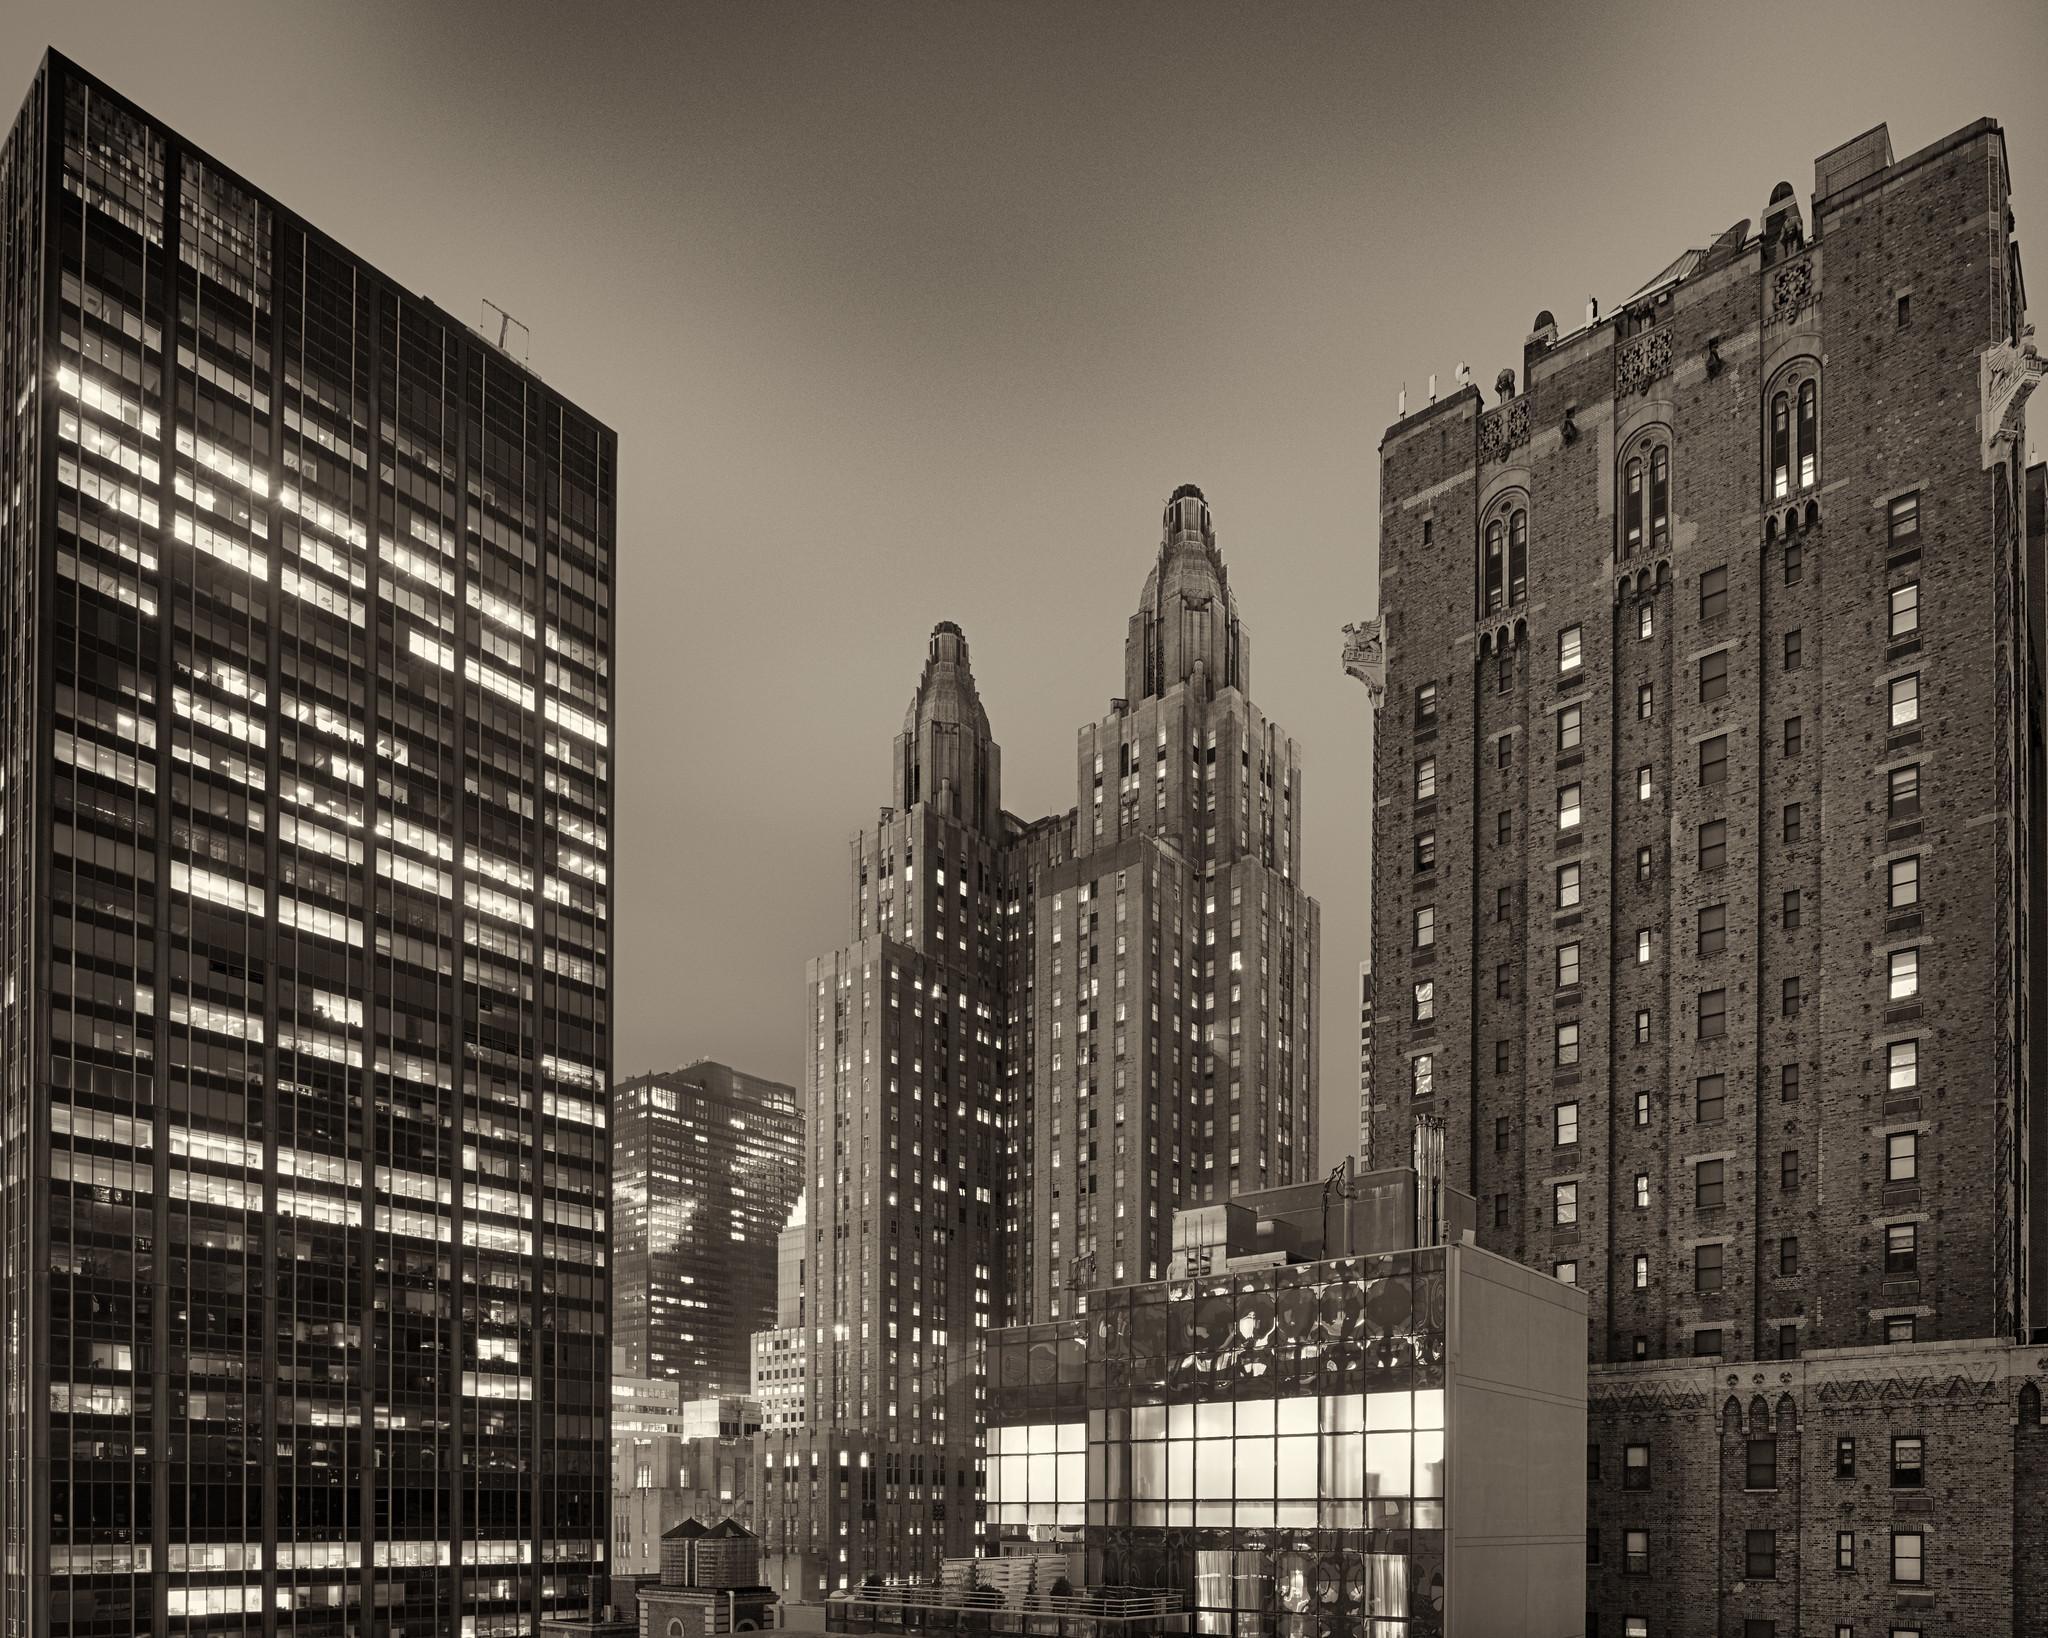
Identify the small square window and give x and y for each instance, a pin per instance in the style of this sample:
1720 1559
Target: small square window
1900 1328
1901 1157
1902 1066
1635 1468
1565 1272
1710 1184
1902 519
1794 821
1714 593
1710 1095
1795 649
1713 1014
1903 614
1905 700
1788 1256
1788 1083
1714 676
1713 929
1568 728
1795 735
1902 793
1904 971
1714 760
1570 651
1567 886
1706 1343
1903 886
1845 1457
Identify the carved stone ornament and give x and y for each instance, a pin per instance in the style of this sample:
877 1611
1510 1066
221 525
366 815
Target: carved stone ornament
1642 361
1365 657
1791 290
2006 374
1504 430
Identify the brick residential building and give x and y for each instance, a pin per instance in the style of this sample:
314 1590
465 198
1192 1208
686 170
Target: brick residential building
1708 806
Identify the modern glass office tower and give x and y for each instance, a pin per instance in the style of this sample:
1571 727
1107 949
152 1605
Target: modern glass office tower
707 1162
305 1031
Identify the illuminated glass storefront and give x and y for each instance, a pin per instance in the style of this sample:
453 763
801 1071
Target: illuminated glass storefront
1271 1441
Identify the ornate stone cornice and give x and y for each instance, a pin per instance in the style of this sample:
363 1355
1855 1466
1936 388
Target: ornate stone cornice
2007 373
1365 657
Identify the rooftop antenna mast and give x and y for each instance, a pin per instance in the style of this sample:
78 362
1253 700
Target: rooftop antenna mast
505 332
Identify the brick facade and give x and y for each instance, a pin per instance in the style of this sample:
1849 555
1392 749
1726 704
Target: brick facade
1706 810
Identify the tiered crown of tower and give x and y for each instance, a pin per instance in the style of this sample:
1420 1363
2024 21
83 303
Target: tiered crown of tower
1186 629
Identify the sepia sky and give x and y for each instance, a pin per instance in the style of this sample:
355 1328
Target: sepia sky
910 313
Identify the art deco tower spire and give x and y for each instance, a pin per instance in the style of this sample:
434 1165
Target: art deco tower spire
1186 628
945 755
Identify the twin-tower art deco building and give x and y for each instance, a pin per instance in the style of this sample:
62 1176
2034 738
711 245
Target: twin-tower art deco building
1043 1038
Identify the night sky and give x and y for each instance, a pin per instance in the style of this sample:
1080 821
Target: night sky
906 314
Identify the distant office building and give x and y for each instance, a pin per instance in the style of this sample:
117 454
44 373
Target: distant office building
1708 896
305 1013
777 1384
790 1252
1365 1065
707 1163
674 1460
1317 1427
1044 1037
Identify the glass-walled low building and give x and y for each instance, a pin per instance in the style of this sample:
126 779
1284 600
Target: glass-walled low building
1390 1445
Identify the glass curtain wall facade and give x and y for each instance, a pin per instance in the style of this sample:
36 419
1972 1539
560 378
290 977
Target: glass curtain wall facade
305 797
1271 1442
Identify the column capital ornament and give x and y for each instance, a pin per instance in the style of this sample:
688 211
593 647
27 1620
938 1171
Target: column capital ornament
1365 657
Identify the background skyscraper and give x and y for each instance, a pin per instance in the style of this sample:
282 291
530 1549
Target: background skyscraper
1046 1036
305 1034
706 1163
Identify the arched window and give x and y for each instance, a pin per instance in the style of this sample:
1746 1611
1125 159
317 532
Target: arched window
1809 430
1504 556
1794 434
1646 499
1495 585
1660 498
1518 557
1781 447
1632 510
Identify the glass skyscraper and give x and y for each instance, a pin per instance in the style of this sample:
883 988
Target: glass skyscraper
305 1029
